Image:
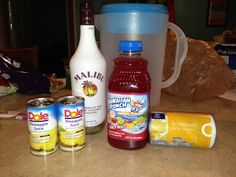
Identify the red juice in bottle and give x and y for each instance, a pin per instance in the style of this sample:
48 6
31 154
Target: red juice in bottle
129 88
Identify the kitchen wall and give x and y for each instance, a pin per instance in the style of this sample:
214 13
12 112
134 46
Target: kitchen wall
49 33
191 16
4 38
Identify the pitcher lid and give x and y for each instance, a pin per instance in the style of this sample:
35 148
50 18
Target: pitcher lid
134 7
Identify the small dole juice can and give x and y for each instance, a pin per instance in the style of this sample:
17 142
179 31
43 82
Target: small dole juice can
42 125
71 123
182 129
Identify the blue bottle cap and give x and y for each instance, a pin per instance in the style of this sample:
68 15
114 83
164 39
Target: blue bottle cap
126 45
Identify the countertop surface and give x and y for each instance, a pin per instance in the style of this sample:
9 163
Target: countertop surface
99 159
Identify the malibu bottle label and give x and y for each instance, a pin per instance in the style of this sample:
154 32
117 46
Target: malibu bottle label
91 86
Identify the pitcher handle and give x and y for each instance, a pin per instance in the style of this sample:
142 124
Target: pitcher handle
180 54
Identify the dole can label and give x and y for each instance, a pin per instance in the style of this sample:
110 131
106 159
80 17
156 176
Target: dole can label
42 125
71 123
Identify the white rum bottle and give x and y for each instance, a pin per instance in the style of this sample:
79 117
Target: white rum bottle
88 72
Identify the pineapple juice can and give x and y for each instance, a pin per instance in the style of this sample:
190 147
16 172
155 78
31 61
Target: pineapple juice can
42 125
71 123
182 129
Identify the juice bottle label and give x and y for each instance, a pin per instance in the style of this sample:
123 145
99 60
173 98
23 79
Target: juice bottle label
127 116
182 129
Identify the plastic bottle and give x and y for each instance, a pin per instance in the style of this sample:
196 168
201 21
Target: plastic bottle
128 98
88 72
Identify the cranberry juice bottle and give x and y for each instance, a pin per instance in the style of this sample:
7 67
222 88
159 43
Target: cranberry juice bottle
129 88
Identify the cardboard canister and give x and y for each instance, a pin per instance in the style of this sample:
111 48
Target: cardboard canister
182 129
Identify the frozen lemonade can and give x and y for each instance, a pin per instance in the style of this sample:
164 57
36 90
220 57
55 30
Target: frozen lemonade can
42 125
182 129
71 123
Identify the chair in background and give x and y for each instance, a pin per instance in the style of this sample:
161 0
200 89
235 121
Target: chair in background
28 57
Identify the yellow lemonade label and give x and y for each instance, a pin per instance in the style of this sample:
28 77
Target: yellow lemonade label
182 129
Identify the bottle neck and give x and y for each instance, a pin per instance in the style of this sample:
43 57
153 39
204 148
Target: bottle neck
130 53
86 13
87 33
130 60
87 37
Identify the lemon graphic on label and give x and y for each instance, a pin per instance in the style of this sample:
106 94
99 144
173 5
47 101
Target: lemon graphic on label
159 129
160 126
